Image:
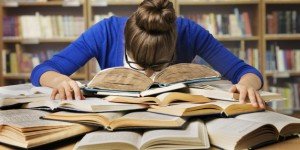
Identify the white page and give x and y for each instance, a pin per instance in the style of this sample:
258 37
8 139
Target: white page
102 137
195 134
23 118
277 119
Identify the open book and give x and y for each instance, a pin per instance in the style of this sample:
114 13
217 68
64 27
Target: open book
251 130
220 90
120 79
194 136
20 94
87 105
162 99
114 120
215 107
23 128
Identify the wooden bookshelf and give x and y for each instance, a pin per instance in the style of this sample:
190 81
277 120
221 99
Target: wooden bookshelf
38 40
279 37
76 8
217 2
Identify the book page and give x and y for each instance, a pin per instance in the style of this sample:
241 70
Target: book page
99 105
148 116
167 98
195 134
24 118
277 119
120 78
110 139
226 133
133 100
146 119
23 91
185 72
42 102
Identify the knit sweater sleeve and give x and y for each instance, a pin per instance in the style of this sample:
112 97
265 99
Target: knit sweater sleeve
74 55
220 58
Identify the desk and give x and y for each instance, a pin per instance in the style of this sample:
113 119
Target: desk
290 144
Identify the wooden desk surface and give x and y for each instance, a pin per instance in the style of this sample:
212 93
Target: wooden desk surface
290 144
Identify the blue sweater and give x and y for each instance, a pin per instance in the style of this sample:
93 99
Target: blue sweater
105 42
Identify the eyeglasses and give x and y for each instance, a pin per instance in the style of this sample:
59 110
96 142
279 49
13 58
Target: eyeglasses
155 67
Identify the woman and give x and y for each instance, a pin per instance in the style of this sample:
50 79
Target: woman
149 40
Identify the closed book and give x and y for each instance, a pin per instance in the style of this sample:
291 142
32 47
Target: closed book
247 24
282 22
288 26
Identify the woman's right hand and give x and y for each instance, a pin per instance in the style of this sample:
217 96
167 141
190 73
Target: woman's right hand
64 87
67 90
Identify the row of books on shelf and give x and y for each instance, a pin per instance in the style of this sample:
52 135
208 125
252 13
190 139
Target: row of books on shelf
23 62
236 24
282 59
283 22
291 91
39 26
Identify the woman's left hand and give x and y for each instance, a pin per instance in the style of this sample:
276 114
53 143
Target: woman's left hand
252 94
248 87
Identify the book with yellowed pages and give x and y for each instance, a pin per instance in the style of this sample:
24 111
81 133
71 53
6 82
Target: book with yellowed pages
119 120
226 95
128 82
24 128
21 94
162 99
251 130
193 136
225 108
87 105
220 90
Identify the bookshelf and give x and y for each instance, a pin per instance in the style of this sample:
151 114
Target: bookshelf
284 39
57 15
256 44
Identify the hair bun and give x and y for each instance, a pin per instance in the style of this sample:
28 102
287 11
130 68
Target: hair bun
155 15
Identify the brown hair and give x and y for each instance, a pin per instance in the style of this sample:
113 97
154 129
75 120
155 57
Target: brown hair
150 33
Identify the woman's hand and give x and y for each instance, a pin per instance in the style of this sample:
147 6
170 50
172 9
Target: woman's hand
67 90
64 88
248 86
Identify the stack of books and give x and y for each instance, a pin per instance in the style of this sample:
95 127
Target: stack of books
177 109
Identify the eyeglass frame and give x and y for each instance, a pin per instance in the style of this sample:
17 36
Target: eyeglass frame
149 66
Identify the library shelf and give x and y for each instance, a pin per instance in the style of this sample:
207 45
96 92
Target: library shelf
217 2
236 38
114 2
26 76
282 73
278 37
280 2
38 40
46 4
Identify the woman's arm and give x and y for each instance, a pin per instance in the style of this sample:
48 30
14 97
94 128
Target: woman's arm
54 72
246 78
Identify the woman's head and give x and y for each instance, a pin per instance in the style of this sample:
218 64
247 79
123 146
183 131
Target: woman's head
150 34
